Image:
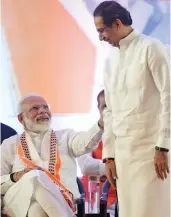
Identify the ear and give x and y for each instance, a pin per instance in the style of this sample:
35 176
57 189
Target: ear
118 23
20 118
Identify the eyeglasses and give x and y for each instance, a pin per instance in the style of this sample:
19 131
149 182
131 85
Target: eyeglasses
101 30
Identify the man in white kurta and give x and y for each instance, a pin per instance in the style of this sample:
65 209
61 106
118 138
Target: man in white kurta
136 121
28 189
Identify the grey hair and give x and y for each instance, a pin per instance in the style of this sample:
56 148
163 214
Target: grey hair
22 101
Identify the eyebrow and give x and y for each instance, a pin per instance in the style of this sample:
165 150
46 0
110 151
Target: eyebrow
42 104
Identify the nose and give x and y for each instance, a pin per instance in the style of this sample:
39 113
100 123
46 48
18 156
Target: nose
42 110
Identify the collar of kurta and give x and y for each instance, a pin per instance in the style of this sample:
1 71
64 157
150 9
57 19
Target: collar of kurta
129 38
35 135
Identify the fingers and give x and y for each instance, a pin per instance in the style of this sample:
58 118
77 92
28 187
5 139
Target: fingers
37 168
113 170
27 169
111 173
110 179
157 171
161 164
18 175
162 170
114 173
167 169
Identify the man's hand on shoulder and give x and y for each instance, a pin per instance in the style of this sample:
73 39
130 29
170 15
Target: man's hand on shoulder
101 123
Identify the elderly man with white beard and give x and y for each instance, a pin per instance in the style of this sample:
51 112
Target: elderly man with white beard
38 174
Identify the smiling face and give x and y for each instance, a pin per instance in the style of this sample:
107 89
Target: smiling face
36 115
110 34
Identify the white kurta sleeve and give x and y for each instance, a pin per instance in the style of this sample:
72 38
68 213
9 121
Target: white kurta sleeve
108 136
158 61
5 166
90 166
81 143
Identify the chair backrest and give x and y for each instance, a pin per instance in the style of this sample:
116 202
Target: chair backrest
81 201
81 188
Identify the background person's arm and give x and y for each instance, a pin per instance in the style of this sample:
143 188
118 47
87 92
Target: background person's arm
90 166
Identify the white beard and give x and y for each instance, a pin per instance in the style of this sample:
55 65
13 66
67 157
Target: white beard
34 127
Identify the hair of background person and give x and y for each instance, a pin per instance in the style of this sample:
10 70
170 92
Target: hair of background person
110 11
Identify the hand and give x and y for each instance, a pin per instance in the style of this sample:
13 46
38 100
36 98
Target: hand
111 173
100 122
17 176
161 164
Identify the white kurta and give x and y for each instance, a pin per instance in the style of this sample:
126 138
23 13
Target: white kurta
70 144
91 166
137 92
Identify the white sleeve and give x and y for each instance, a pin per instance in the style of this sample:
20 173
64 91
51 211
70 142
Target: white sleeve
6 166
81 143
108 137
158 62
6 159
90 166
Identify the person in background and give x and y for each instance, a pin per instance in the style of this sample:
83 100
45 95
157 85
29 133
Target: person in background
38 168
6 132
91 164
136 135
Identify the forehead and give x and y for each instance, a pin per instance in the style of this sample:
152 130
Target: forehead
98 22
34 100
